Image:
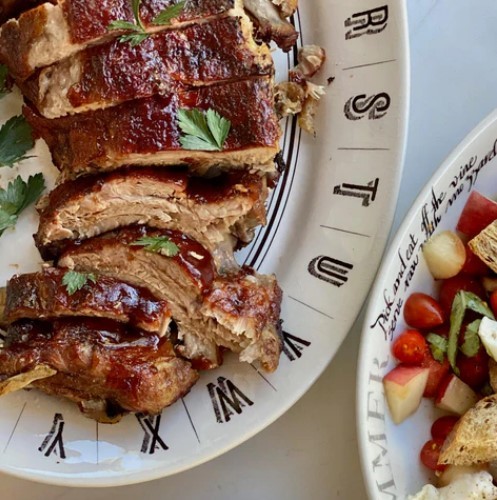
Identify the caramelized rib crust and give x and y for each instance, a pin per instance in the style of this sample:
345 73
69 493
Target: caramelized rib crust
239 311
43 295
105 75
50 33
213 211
99 360
146 131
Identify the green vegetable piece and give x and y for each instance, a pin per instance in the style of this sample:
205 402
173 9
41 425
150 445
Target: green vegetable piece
203 130
17 197
75 281
165 17
472 342
16 139
438 346
158 244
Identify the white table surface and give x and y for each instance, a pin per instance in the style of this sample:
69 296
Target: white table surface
311 452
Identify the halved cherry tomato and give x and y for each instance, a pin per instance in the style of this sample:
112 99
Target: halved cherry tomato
474 266
443 426
430 453
436 374
422 311
493 302
474 370
451 286
410 347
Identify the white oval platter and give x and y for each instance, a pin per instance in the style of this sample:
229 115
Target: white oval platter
389 452
328 222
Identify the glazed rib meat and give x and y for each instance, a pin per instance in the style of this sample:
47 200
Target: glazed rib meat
105 75
98 361
43 295
217 212
239 311
146 131
50 33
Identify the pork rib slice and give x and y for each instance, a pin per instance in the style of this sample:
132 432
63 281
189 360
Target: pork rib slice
146 131
98 361
217 212
239 311
43 295
50 33
102 76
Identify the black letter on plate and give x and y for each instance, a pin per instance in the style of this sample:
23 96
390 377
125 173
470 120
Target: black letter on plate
151 440
331 270
369 22
367 193
375 106
293 346
54 438
221 399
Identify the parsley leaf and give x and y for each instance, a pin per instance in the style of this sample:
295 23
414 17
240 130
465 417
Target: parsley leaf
158 244
165 17
17 197
204 130
472 343
16 139
438 346
74 281
5 87
138 30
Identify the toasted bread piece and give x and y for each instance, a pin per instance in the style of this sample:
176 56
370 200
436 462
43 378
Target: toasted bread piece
484 245
474 438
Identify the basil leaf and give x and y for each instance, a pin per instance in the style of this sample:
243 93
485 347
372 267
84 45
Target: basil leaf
472 342
438 346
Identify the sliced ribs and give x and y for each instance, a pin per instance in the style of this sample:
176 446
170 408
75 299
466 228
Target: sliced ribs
43 295
99 363
50 33
239 312
146 131
218 212
202 54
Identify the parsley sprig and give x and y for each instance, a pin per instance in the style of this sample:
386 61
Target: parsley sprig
204 130
5 86
158 244
17 197
75 281
137 28
16 139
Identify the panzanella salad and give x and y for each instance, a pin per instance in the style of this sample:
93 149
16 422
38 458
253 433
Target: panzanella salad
448 353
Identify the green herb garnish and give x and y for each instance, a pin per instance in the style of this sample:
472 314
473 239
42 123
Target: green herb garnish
204 130
158 244
472 342
17 197
74 281
462 302
4 82
438 346
138 31
16 139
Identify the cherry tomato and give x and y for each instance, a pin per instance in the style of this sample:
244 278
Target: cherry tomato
473 371
436 374
474 266
410 347
443 426
430 453
493 301
422 311
451 286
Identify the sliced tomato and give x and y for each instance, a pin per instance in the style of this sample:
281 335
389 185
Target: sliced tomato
451 286
430 453
473 265
493 302
436 374
422 311
443 426
474 370
410 347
